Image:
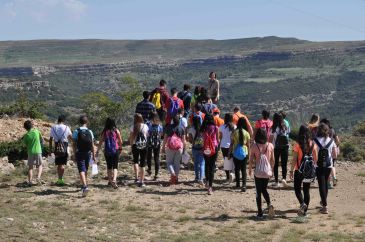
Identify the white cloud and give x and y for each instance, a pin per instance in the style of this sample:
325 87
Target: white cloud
44 10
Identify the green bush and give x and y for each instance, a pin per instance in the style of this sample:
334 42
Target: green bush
24 108
351 151
360 129
16 150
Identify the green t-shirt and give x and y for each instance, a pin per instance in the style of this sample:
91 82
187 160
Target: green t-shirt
32 140
246 139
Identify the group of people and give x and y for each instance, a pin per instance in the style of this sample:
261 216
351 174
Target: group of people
165 122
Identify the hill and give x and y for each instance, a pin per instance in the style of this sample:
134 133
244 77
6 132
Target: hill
298 76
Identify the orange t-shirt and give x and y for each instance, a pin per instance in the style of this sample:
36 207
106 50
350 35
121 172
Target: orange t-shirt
218 121
299 151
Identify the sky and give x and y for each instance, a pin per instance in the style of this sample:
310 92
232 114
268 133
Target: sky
316 20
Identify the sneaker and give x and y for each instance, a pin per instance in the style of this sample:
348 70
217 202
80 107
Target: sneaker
114 184
28 184
85 191
260 216
230 179
271 212
302 210
243 189
285 184
141 184
201 183
329 186
149 172
210 191
334 181
60 182
320 203
136 180
323 210
156 177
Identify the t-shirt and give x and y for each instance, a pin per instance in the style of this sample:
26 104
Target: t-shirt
237 116
255 152
297 149
287 125
76 132
152 127
201 114
226 136
170 130
235 139
264 124
332 149
277 132
218 121
144 129
183 122
32 140
60 132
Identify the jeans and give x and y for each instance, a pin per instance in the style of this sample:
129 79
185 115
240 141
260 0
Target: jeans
322 177
156 156
173 158
240 166
210 167
282 153
261 188
298 180
199 164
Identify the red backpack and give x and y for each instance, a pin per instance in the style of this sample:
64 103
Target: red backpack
209 147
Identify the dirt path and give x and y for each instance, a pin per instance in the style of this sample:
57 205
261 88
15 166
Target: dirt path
179 213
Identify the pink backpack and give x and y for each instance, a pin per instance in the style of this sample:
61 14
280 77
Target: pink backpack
174 142
263 167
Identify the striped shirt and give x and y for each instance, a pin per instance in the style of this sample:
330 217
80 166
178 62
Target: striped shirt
145 108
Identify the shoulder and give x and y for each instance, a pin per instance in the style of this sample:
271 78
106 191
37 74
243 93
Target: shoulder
296 147
270 146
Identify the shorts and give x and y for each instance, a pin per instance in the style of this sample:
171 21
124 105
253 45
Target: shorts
112 161
83 160
139 156
62 160
34 160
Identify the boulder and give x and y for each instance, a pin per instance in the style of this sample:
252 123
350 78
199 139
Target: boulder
5 166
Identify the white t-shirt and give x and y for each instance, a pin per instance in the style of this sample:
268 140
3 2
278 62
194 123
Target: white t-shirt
144 130
275 135
183 122
324 141
60 132
226 136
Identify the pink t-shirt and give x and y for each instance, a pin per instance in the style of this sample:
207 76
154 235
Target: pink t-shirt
255 152
115 135
264 124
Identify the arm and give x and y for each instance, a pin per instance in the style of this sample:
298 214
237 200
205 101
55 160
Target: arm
164 143
101 141
184 143
250 162
220 135
250 130
217 90
294 161
120 141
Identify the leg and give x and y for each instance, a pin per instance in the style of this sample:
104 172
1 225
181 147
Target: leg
322 185
60 171
170 161
298 187
135 154
284 162
196 164
115 167
258 185
142 164
265 182
327 173
156 156
237 168
202 166
177 161
149 159
30 173
244 174
306 188
276 166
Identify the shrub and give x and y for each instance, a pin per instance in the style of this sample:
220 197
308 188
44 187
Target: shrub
16 150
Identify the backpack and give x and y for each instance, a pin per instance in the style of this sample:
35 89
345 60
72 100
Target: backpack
141 141
174 107
239 152
307 167
324 159
183 97
156 100
208 108
174 142
198 143
282 140
110 143
84 140
60 149
209 148
263 167
154 139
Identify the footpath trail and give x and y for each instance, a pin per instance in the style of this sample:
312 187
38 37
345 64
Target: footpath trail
179 213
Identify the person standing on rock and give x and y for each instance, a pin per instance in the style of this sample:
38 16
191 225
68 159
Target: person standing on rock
83 144
60 135
33 140
213 87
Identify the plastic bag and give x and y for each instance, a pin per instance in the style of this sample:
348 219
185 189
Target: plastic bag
94 169
51 159
185 158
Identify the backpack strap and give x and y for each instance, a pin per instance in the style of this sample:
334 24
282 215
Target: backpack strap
329 144
318 143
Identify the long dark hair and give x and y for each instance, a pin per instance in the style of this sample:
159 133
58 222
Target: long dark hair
109 125
304 138
228 121
208 120
278 121
261 136
241 125
197 123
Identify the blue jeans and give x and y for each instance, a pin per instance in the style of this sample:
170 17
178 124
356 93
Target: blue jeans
199 164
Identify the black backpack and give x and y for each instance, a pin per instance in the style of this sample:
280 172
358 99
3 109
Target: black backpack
282 140
84 140
307 167
141 141
154 140
324 159
60 149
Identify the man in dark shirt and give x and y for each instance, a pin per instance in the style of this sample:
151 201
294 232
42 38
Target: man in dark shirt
145 107
163 95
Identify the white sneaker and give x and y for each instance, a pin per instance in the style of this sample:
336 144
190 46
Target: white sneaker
230 180
284 183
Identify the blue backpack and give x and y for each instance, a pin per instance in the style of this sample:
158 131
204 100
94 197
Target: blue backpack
239 152
110 143
174 107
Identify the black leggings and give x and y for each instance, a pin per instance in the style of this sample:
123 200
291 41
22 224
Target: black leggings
139 156
261 188
225 154
240 166
210 166
322 176
298 180
112 161
156 156
282 153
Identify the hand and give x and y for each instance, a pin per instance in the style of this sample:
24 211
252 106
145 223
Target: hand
250 173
